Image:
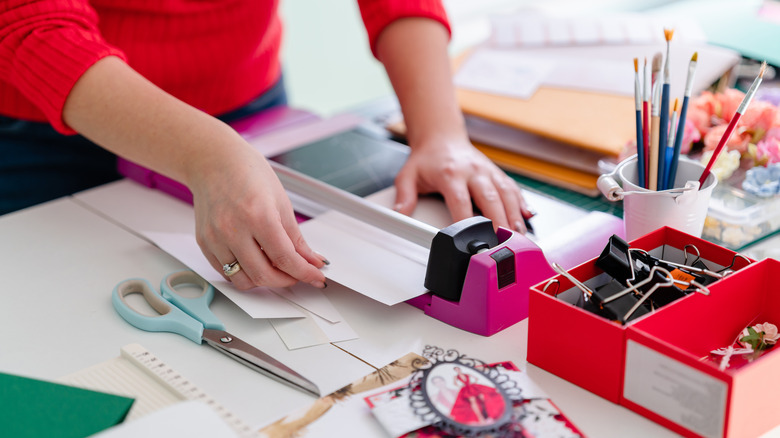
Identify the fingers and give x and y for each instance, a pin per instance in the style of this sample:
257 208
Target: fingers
458 199
276 262
513 201
489 200
300 245
284 257
405 192
494 193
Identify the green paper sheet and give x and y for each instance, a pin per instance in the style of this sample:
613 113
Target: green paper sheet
36 408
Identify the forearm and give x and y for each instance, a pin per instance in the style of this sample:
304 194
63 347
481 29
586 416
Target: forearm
414 53
443 160
117 108
241 210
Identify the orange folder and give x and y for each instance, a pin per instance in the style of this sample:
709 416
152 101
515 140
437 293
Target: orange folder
596 121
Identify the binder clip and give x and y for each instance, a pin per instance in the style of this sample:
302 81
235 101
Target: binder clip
634 267
612 300
478 279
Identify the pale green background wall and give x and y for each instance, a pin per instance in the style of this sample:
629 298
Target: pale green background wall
328 65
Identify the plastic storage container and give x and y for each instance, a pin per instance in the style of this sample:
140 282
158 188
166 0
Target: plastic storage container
737 218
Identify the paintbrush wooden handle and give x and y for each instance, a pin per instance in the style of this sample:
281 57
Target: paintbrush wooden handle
652 168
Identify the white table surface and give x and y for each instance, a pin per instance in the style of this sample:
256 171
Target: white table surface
60 261
386 333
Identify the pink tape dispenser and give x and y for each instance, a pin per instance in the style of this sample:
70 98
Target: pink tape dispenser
479 279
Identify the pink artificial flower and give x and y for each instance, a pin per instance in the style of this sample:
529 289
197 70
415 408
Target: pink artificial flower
729 102
768 151
759 118
739 140
770 332
702 110
690 136
773 132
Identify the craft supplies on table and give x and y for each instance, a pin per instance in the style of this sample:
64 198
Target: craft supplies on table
660 364
190 316
592 352
154 384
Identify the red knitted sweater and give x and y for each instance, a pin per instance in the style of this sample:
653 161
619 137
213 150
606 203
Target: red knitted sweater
216 55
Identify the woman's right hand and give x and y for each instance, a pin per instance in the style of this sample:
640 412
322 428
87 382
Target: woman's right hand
242 213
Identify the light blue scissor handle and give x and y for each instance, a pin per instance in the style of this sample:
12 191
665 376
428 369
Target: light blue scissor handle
170 318
196 307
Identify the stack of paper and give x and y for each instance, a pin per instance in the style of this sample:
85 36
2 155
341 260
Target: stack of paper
553 111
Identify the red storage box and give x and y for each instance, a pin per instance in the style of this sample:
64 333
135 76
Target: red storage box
669 379
589 350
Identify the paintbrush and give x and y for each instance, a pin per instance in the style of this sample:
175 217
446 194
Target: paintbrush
646 117
655 112
664 131
733 123
670 143
681 125
640 148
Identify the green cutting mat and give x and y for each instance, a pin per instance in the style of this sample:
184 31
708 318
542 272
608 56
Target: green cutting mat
599 203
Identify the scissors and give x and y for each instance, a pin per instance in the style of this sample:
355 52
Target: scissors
192 318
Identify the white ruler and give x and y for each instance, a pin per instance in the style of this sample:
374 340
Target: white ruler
139 374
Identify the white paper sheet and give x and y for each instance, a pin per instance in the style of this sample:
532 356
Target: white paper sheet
534 28
298 332
311 330
258 302
192 419
597 68
311 299
502 72
366 259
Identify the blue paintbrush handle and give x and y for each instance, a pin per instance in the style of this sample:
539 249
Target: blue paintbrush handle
677 145
640 150
663 136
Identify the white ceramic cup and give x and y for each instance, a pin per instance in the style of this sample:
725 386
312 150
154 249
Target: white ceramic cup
684 209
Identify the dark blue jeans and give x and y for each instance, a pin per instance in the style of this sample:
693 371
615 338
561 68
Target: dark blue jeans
38 164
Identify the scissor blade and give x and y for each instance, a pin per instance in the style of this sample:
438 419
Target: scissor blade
257 360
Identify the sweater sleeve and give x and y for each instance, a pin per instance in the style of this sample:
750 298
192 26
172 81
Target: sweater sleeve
377 14
45 47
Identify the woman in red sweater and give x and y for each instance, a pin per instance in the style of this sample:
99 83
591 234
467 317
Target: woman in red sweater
144 79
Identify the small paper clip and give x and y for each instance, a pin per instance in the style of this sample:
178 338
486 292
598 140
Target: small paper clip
587 293
733 261
685 254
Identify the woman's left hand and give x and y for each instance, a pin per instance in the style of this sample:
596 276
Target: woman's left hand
461 173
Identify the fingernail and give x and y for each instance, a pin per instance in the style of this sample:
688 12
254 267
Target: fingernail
520 227
319 284
322 257
397 207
